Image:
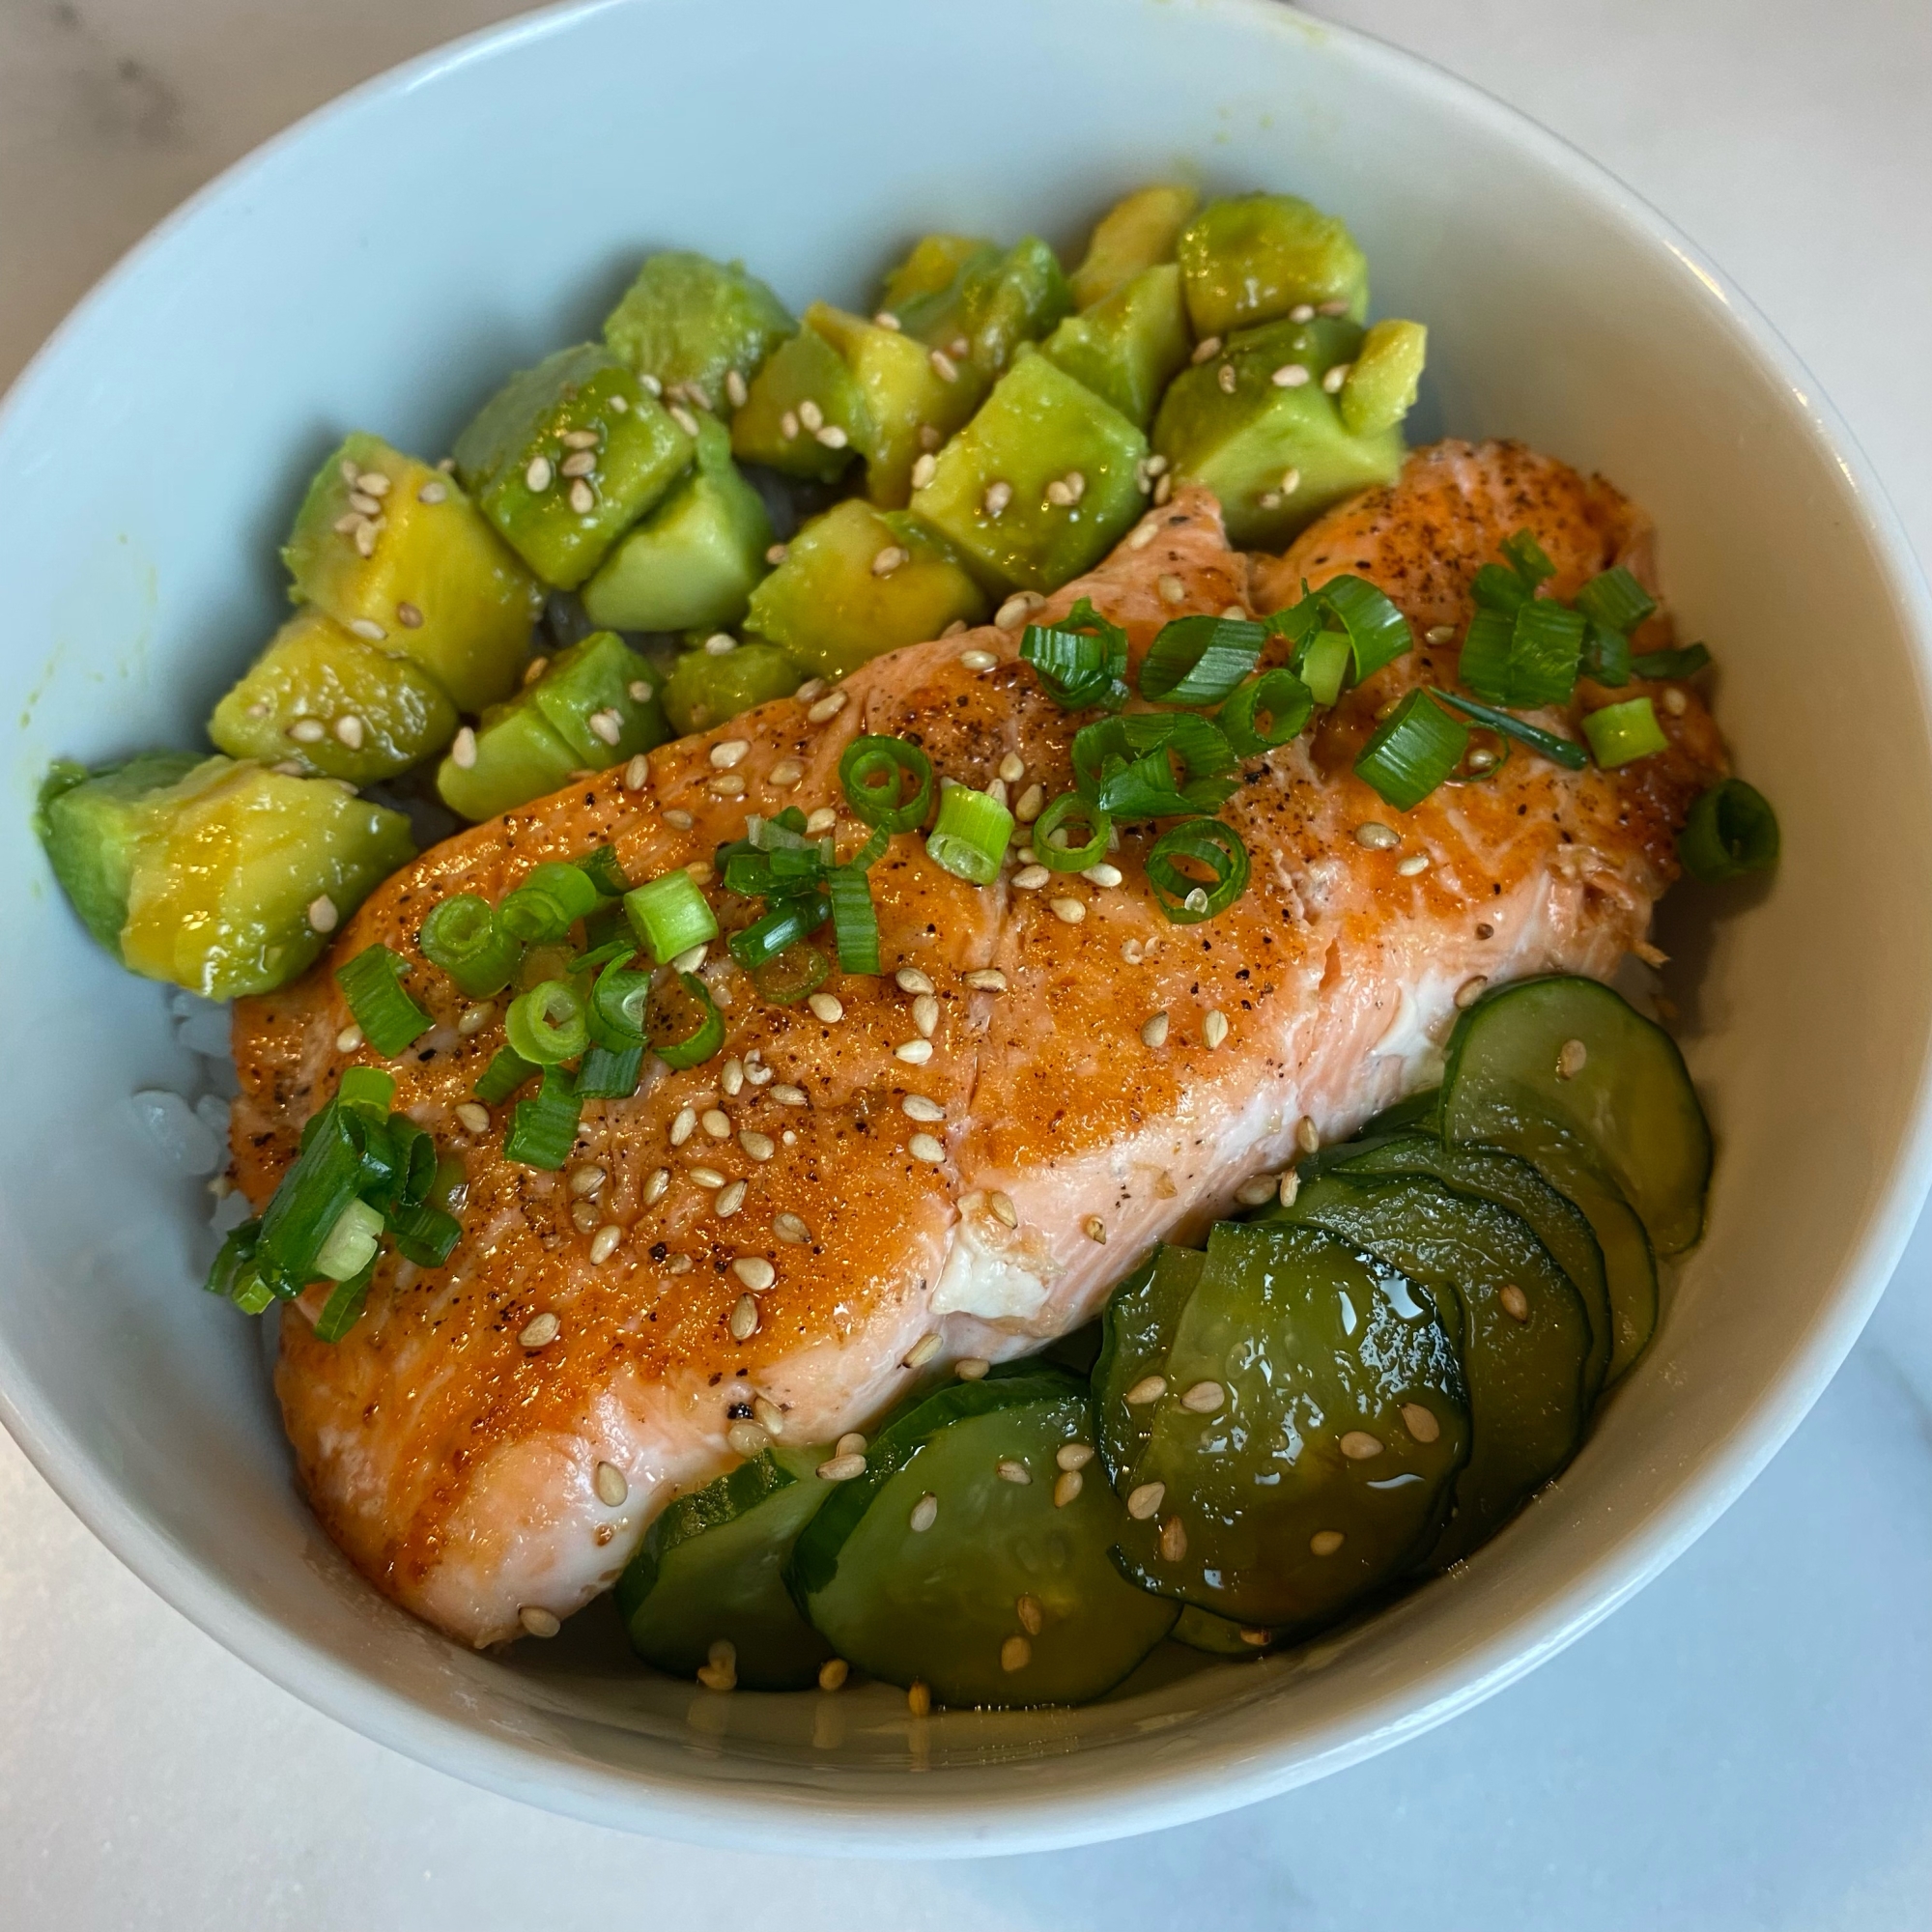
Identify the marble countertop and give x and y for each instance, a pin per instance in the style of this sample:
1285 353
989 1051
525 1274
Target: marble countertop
1745 1745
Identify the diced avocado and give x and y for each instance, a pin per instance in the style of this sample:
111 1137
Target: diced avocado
567 456
247 872
93 824
831 606
705 690
1018 299
1275 452
396 553
692 321
337 707
1040 484
1133 235
925 293
912 398
1380 388
693 562
1253 259
518 757
1129 345
802 413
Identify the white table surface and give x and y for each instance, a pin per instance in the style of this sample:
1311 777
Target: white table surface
1749 1745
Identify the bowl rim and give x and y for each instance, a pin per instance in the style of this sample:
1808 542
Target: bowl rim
954 1815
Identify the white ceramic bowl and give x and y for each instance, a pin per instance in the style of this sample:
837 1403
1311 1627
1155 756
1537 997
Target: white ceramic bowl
386 262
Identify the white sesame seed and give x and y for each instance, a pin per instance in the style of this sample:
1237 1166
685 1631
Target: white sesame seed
1172 589
308 731
1257 1189
1413 867
691 958
433 492
538 1621
746 1438
1004 1210
851 1443
1095 1229
789 426
368 629
1359 1446
1675 701
785 774
1173 1540
584 1217
1570 1060
537 475
604 1243
823 820
1332 382
684 1125
923 1350
1226 376
679 821
716 1123
842 1468
999 494
888 559
826 1008
656 1186
540 1330
685 420
612 1491
987 980
917 1107
925 1015
788 1095
755 1272
1017 608
1153 1031
743 1323
926 1147
1214 1028
1302 312
1073 1455
1010 1471
1326 1542
735 391
832 436
621 403
473 1116
585 1181
826 708
1336 307
1206 350
475 1018
732 1077
1290 1186
943 366
789 1228
1030 878
925 1514
729 1199
1203 1398
1144 1501
914 1052
730 751
1070 912
1150 1388
608 726
582 464
535 668
1376 836
919 1700
719 644
759 1147
925 470
996 790
971 1368
978 660
1289 376
364 506
349 1039
1516 1303
1420 1422
323 916
721 1671
770 1416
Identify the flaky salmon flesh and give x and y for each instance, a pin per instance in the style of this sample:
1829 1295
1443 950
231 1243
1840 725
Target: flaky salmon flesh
961 1155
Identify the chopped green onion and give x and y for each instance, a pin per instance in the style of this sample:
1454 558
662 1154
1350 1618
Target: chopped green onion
546 1025
233 1275
1278 695
1616 600
1126 765
1480 762
372 984
787 921
604 872
501 1078
1559 751
1198 660
1731 829
463 937
424 1234
972 834
611 1073
785 980
368 1089
1543 653
1378 631
620 946
1081 661
1197 868
1607 656
1527 558
1685 662
671 916
617 1001
343 1309
1325 663
547 903
331 1171
1413 751
683 1025
351 1243
1496 588
543 1131
1621 733
1298 621
855 919
415 1167
1051 846
873 772
1484 663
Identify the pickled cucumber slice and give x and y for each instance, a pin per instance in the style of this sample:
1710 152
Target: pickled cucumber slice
711 1567
566 456
1555 1221
1379 387
92 825
693 562
1577 1052
247 872
1013 300
925 293
1137 1331
1040 484
1275 452
703 690
805 414
1201 1630
1255 258
961 1560
693 322
831 606
1518 1322
1132 236
1307 1448
398 555
1130 346
322 700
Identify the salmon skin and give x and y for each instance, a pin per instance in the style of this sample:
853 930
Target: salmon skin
1106 1079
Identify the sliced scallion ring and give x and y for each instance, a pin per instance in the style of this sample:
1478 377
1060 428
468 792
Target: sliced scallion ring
683 1025
788 921
543 1129
617 1003
1265 712
371 983
875 772
855 919
1413 749
1197 868
1081 662
1620 734
800 969
972 834
1685 662
548 903
1324 664
1616 600
506 1071
1198 660
546 1025
1051 841
671 916
1731 829
463 937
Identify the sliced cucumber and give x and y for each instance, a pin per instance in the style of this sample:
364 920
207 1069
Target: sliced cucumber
1523 1351
1202 1630
1513 1184
1418 1111
997 1558
1136 1333
1574 1050
1315 1422
712 1566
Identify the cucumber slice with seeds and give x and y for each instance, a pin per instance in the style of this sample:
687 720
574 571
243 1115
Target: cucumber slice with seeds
951 1562
712 1566
1203 1630
1579 1053
1137 1331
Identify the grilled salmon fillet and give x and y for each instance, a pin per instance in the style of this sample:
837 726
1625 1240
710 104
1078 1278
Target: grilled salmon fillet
1105 1078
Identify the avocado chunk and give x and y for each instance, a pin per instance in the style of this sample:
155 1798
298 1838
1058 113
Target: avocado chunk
331 705
1013 300
1380 388
92 825
1276 453
804 414
398 555
247 872
567 456
705 690
693 562
832 606
1131 344
1040 484
1135 234
925 293
1258 257
517 757
911 397
693 324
